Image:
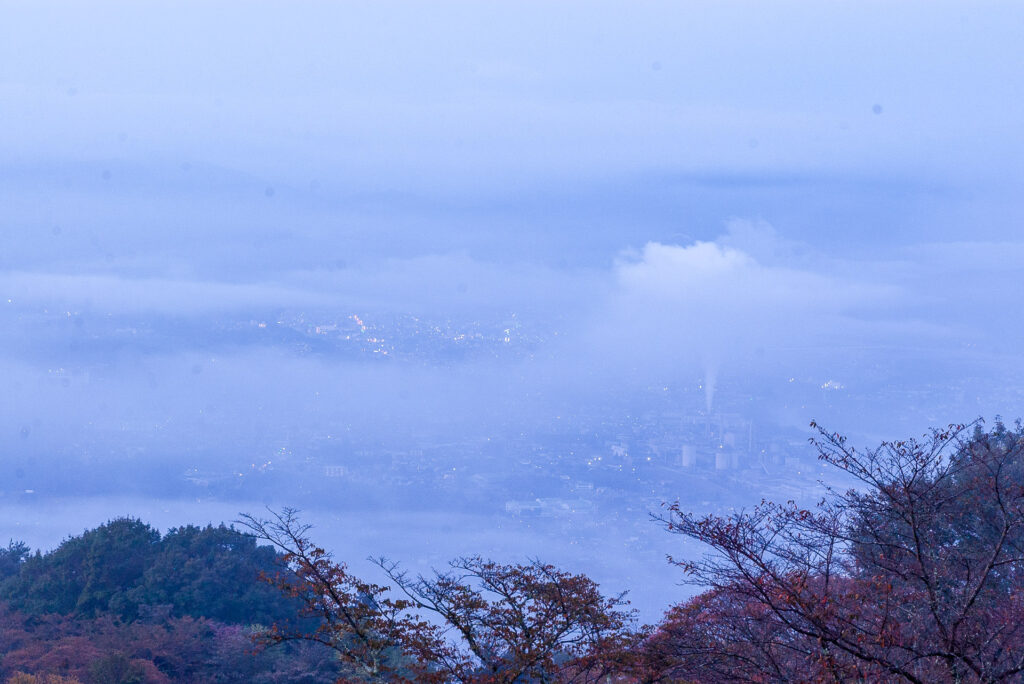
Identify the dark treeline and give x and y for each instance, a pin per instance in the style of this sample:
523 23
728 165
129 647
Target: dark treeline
915 575
122 604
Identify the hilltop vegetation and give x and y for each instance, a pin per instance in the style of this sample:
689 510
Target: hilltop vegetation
121 603
917 575
124 567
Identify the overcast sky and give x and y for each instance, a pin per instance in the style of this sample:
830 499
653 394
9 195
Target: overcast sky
718 191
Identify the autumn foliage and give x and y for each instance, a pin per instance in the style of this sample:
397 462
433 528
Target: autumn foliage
122 604
479 621
914 575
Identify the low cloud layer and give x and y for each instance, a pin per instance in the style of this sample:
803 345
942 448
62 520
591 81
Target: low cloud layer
750 309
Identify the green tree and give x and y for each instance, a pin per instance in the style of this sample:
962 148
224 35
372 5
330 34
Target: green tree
86 575
213 572
11 559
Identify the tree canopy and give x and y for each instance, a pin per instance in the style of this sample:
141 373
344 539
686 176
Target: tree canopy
480 621
914 575
125 565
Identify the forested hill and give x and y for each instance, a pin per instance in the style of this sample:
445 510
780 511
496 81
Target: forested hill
915 576
122 603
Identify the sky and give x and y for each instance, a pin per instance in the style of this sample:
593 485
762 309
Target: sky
725 193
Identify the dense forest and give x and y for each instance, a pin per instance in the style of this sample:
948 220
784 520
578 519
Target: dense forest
121 603
916 574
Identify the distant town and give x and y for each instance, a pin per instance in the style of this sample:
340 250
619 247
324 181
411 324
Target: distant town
612 460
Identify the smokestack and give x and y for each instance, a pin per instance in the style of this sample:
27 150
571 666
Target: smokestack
710 377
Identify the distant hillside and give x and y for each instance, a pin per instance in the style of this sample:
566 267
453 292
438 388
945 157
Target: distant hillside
121 604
